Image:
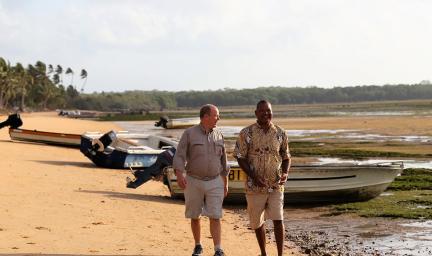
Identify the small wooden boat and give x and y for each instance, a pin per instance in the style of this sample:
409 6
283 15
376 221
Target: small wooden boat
54 138
177 123
317 183
62 139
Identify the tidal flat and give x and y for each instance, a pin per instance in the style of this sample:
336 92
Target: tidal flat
385 225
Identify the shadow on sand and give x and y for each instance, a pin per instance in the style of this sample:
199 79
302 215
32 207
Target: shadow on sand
42 144
60 254
66 163
131 196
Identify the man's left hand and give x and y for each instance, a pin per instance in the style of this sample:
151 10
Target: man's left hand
225 191
283 179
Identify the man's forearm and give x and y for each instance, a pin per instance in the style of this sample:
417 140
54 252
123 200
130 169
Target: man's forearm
286 164
244 165
225 180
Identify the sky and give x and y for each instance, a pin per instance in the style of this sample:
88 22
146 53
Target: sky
182 45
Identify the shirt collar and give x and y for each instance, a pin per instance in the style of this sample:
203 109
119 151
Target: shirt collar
204 130
271 127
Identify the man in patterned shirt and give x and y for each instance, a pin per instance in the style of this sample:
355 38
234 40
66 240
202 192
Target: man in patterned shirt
263 154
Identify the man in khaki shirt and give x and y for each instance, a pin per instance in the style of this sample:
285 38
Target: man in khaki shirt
201 168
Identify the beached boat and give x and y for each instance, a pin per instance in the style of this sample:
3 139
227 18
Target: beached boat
120 150
177 123
53 138
317 183
63 139
306 183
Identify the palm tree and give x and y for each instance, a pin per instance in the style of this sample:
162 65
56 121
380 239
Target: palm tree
70 72
59 71
5 82
22 81
84 77
46 87
56 79
50 69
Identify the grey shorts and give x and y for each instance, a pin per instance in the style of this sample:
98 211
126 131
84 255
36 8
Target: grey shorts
204 197
263 206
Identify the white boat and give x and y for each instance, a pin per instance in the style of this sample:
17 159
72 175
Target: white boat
123 150
317 183
67 139
177 123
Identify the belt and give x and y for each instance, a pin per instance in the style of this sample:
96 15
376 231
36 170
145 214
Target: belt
205 178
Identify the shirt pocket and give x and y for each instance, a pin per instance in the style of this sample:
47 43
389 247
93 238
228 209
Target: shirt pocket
197 148
219 148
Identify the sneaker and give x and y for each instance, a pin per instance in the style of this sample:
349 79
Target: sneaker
198 250
219 252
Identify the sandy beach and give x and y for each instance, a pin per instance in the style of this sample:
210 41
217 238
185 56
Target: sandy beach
53 200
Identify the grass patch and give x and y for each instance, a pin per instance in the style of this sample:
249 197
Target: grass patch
420 179
346 152
413 204
410 196
349 150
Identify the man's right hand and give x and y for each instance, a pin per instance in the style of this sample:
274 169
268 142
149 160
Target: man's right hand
181 180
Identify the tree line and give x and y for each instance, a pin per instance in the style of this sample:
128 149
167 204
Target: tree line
37 86
160 100
41 86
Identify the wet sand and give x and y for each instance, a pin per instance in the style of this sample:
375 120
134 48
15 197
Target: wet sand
53 200
318 234
384 125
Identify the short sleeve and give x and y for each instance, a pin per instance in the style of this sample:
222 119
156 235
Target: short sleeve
241 147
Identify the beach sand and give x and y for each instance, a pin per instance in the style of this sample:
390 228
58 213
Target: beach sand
53 200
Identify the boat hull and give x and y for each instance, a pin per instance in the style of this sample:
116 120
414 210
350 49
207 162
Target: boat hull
53 138
315 184
182 123
177 123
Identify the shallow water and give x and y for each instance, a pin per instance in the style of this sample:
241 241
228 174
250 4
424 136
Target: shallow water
233 131
341 235
380 113
348 235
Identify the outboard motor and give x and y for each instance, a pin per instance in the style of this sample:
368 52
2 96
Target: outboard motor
98 145
13 121
104 141
162 122
163 160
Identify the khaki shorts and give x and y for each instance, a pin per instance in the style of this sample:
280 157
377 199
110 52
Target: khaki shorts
264 206
204 197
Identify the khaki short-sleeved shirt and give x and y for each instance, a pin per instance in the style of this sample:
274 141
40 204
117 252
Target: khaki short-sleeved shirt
264 152
201 155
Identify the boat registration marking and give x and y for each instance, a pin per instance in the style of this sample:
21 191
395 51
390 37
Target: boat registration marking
237 174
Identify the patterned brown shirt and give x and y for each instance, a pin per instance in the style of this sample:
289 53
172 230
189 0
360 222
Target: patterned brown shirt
264 152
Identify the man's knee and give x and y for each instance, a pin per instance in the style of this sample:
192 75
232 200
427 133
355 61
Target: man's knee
215 220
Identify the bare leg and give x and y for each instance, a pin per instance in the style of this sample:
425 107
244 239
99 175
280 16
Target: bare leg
215 231
260 235
196 230
279 235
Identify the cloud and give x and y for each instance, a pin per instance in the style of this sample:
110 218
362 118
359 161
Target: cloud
174 45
